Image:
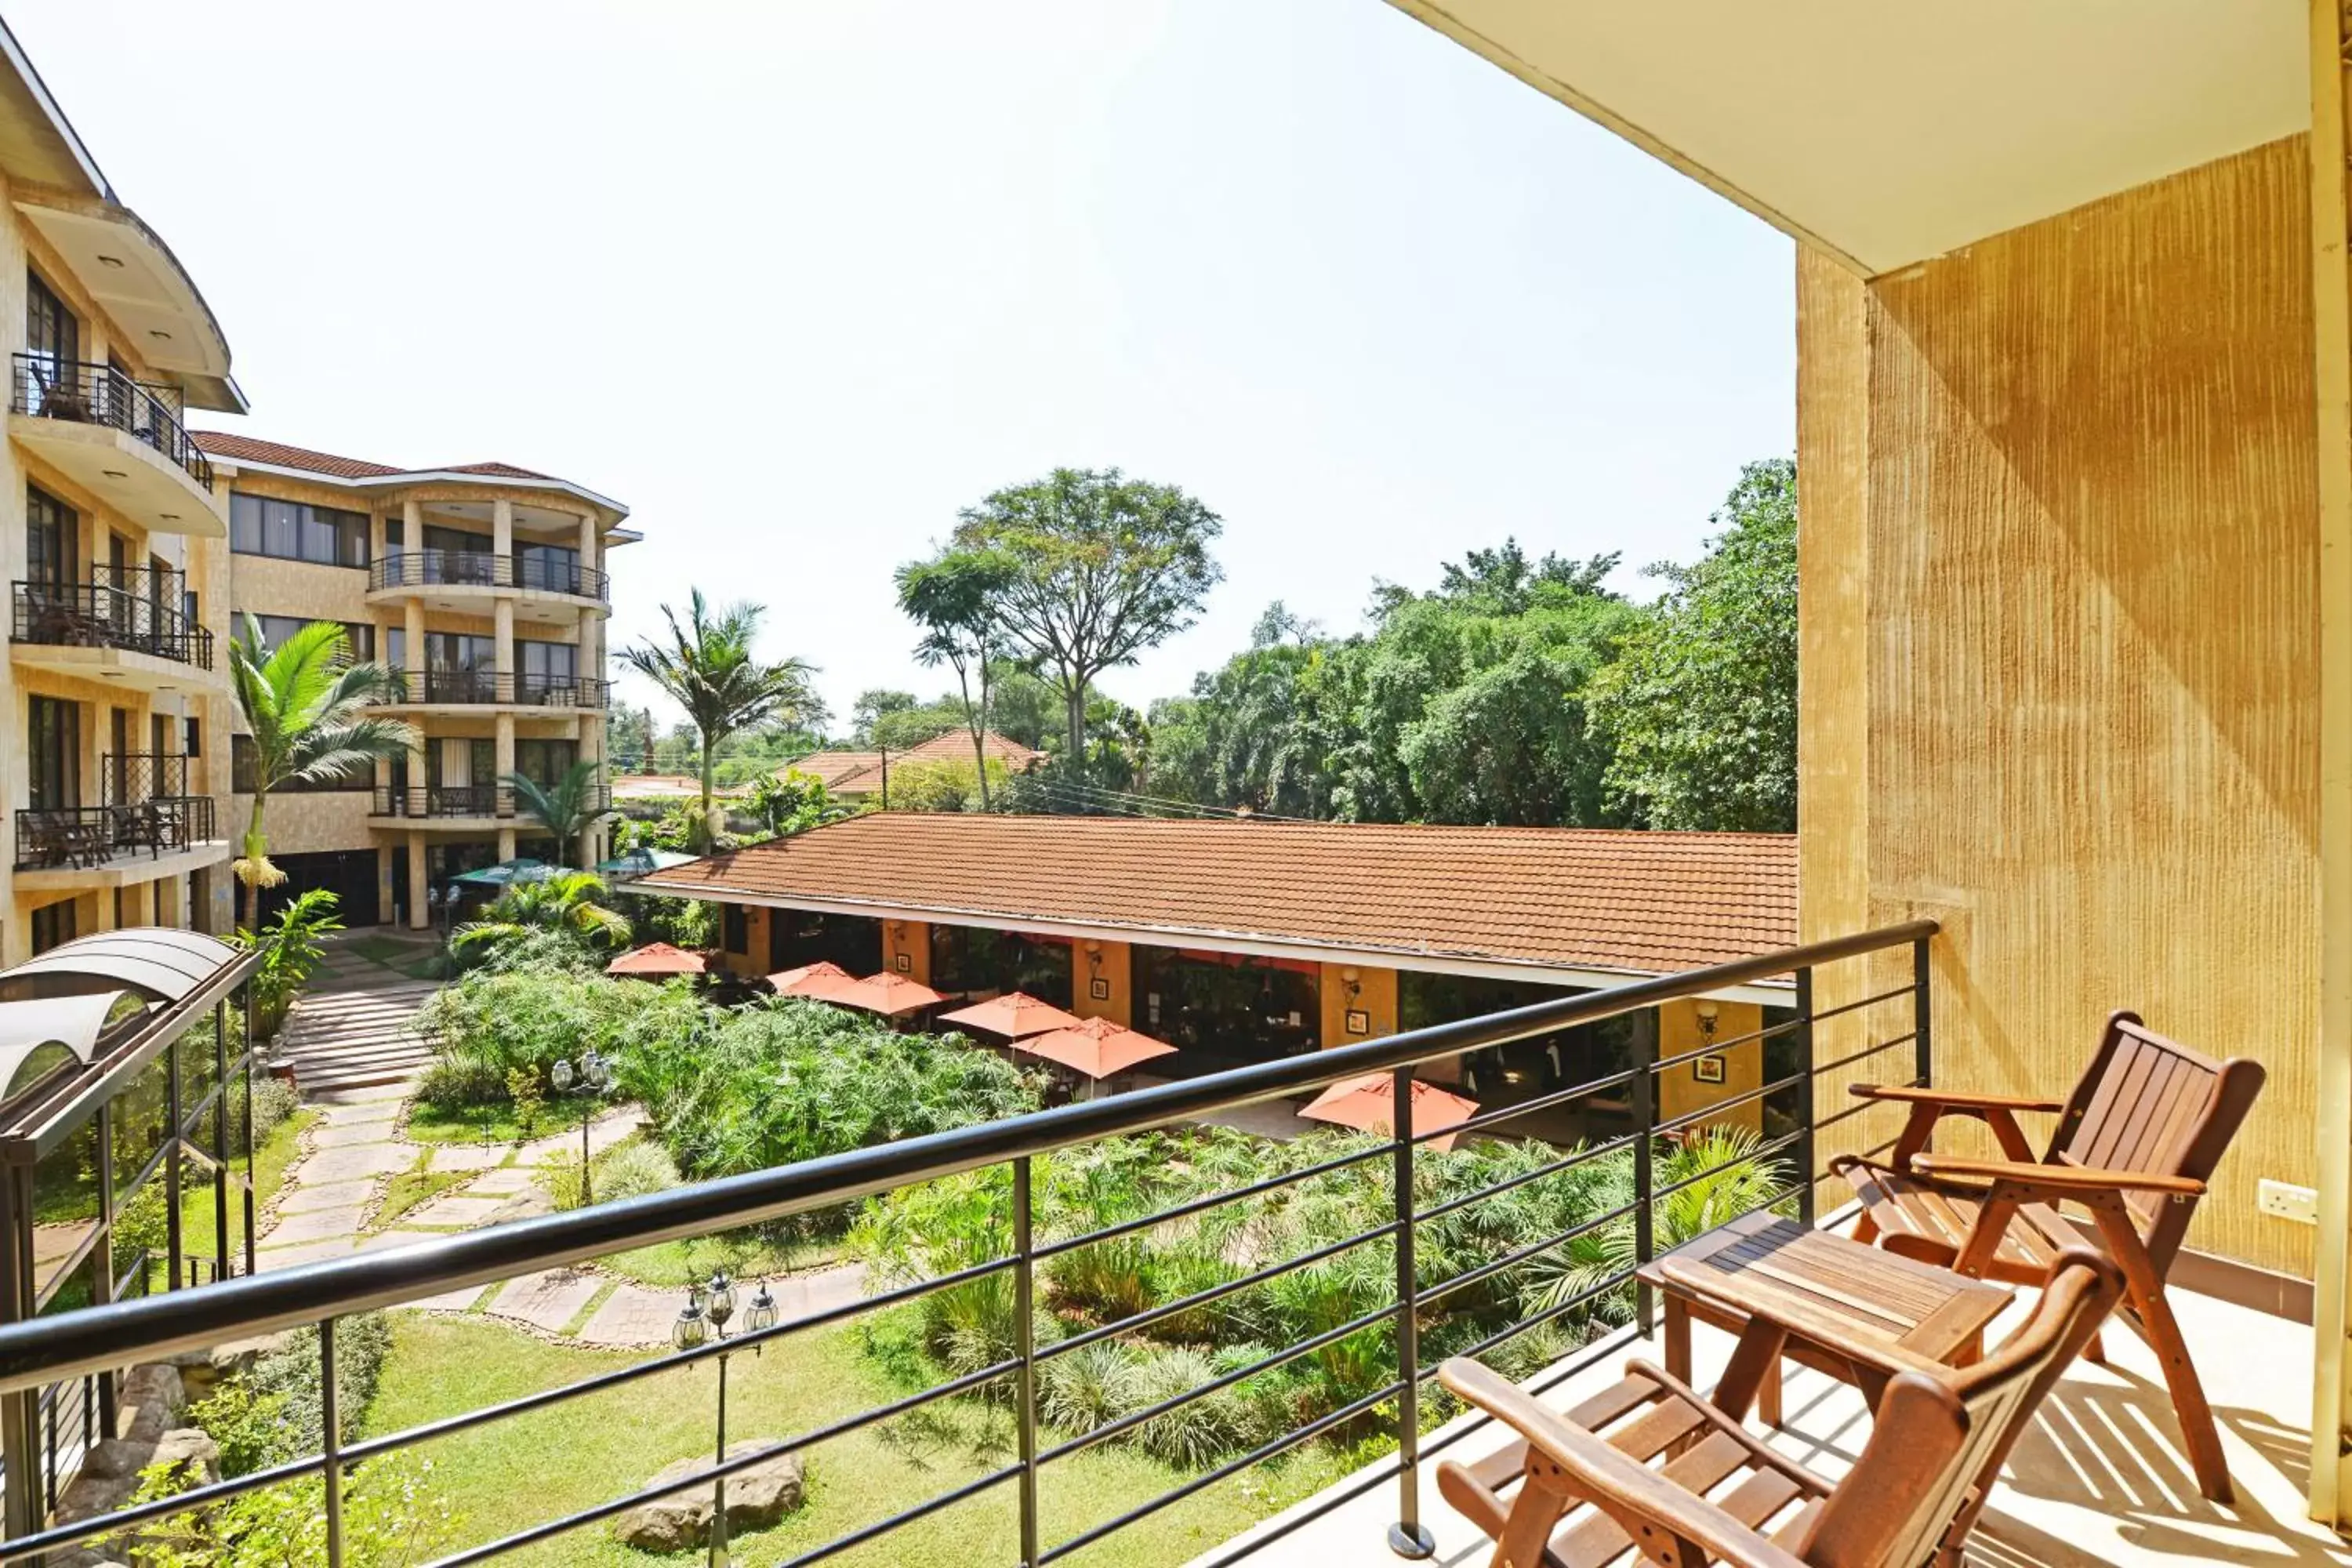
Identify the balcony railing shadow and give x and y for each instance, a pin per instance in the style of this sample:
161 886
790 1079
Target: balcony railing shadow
68 1346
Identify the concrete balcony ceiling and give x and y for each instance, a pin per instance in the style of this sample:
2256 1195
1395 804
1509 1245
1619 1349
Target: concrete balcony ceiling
1888 134
142 289
128 474
129 669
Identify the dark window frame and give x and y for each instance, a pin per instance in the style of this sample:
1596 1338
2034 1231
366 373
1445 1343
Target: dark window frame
281 530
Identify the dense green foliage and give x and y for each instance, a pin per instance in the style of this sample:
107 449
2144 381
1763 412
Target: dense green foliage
275 1410
560 920
567 807
1520 691
291 946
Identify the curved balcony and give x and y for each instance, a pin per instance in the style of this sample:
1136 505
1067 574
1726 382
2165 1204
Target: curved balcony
118 438
412 569
488 689
455 804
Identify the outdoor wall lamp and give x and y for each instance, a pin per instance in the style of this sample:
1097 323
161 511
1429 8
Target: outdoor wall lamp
708 1308
1707 1014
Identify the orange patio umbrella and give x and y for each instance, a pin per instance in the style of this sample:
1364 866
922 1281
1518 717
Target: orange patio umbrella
1015 1015
655 960
887 993
1369 1104
1096 1048
823 981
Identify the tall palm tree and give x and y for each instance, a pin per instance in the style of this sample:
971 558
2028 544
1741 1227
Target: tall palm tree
567 901
566 808
708 667
306 706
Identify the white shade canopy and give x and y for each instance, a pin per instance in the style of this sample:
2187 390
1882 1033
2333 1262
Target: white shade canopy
74 1023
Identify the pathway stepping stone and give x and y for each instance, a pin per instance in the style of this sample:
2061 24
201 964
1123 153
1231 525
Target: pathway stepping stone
364 1111
632 1315
268 1257
457 1210
303 1197
456 1300
607 1131
365 1094
384 1238
357 1159
343 1134
467 1157
548 1299
504 1181
314 1225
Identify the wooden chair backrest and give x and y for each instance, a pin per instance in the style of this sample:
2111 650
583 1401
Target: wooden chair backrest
2149 1104
1938 1441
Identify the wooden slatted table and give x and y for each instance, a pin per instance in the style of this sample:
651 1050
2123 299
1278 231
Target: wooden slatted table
1851 1290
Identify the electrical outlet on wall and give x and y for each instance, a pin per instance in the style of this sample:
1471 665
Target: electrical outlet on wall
2287 1201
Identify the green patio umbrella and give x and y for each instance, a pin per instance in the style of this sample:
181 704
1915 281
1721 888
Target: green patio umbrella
506 873
641 863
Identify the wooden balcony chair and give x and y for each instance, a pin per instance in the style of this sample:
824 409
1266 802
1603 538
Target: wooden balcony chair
1654 1468
2134 1144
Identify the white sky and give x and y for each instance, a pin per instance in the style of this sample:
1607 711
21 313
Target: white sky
795 281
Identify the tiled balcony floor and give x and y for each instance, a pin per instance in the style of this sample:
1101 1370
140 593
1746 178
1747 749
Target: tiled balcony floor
2101 1479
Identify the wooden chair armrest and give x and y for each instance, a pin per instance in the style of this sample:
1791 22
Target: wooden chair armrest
2053 1178
1950 1099
1753 1297
1610 1481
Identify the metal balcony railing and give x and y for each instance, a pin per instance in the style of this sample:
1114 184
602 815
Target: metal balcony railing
1386 1336
483 569
134 608
483 686
100 394
83 836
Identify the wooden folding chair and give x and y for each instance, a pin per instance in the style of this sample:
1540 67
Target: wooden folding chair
2134 1145
1652 1467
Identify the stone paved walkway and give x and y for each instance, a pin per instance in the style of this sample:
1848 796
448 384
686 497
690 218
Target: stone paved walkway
332 1192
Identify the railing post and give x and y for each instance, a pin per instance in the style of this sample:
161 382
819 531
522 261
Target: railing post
1024 1342
1923 1012
1809 1112
1408 1537
331 1438
1645 1122
175 1241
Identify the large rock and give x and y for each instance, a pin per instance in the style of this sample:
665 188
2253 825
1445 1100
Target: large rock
111 1475
756 1499
150 1402
202 1371
528 1204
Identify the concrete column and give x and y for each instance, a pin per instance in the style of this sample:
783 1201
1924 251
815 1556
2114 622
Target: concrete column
413 630
502 526
412 539
502 625
376 533
384 872
588 540
420 912
98 909
504 751
506 843
137 909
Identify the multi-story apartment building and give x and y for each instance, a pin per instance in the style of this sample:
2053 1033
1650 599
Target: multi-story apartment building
128 543
485 583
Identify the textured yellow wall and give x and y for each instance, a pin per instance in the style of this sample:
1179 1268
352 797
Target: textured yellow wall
1680 1091
1377 996
1113 964
2059 550
912 940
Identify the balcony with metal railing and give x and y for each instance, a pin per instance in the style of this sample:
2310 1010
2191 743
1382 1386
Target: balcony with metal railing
118 437
457 805
81 628
483 688
148 823
398 571
1878 1028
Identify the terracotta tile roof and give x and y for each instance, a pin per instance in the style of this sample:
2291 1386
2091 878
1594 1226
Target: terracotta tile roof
1576 898
221 444
860 772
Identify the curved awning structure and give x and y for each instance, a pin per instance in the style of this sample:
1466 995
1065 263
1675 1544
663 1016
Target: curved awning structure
75 1023
161 964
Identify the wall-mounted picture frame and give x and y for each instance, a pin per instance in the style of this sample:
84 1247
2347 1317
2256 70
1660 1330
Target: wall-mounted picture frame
1098 988
1707 1069
905 962
1359 1022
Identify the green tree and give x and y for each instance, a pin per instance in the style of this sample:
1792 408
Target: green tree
872 707
708 668
305 705
568 808
568 901
629 739
1702 705
791 801
1107 567
952 596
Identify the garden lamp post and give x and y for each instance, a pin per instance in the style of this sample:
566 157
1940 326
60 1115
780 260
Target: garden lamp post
591 1078
708 1308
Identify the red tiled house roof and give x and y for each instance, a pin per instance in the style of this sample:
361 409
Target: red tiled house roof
1565 898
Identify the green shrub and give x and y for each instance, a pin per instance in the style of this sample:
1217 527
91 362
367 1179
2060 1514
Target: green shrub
275 1101
274 1410
389 1518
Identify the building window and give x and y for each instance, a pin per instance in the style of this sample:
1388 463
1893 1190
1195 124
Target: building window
194 743
53 925
296 531
734 928
549 661
359 637
553 567
53 747
457 540
49 539
51 332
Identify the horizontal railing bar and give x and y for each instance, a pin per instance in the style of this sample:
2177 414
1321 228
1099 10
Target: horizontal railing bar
1324 1505
1574 1158
94 1339
1256 1456
904 1517
1513 1259
735 1465
1616 1281
751 1340
1902 1039
32 1546
1196 1206
1851 1111
1607 1345
1692 1117
1819 1014
1372 1319
1716 1047
1526 1107
1215 1292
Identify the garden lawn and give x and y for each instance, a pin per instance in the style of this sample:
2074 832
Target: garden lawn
512 1474
272 1159
438 1124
